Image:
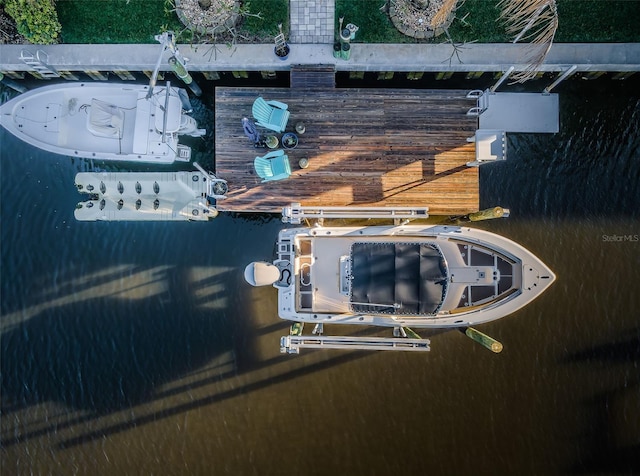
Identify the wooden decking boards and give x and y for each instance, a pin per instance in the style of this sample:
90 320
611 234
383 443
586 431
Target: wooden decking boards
312 77
366 147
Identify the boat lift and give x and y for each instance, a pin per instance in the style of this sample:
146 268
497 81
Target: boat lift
292 344
295 213
177 62
405 339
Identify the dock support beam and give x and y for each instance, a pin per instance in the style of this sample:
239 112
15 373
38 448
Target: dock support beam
623 75
474 74
444 75
561 78
502 79
124 74
484 340
12 84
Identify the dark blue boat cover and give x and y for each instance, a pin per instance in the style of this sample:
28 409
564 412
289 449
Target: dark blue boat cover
397 278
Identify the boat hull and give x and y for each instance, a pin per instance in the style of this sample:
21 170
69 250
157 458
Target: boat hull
484 276
102 121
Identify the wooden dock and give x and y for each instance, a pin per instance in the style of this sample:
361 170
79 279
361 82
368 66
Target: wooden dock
366 147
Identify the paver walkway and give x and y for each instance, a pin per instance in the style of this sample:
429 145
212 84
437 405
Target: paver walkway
312 21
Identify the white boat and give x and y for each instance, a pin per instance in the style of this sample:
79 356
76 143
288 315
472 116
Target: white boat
149 196
400 276
104 121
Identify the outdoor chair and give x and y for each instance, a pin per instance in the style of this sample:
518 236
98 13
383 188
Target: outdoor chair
273 166
272 115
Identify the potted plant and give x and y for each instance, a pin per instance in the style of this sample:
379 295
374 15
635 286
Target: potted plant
282 47
289 140
271 142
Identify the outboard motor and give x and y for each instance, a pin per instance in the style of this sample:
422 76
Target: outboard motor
189 127
260 273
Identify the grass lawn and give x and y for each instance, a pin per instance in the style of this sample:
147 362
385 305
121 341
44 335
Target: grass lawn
588 21
137 21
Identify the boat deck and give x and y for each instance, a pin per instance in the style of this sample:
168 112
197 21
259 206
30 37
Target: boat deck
366 147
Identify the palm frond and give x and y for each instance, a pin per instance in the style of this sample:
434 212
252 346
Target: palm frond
443 13
533 21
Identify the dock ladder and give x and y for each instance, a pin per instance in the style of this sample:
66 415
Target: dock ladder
482 102
38 63
295 213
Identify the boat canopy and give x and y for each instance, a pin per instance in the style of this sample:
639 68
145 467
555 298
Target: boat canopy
105 120
397 278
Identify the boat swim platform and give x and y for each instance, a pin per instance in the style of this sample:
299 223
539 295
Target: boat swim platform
365 147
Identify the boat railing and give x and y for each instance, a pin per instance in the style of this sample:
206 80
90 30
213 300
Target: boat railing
167 94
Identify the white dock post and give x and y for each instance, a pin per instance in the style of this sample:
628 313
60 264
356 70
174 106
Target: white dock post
561 78
502 79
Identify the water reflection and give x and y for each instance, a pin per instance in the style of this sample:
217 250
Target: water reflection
137 348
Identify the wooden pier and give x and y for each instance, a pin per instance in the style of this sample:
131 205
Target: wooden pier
365 147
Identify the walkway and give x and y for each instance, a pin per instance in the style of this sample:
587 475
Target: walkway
312 21
614 57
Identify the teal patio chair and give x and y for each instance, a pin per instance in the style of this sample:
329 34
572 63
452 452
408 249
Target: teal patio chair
273 166
272 115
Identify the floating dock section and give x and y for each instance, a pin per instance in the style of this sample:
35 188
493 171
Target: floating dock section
148 196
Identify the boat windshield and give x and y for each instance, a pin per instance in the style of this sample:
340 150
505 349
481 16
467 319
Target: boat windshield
397 278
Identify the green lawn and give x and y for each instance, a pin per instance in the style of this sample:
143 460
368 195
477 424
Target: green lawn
272 13
114 21
587 21
137 21
614 21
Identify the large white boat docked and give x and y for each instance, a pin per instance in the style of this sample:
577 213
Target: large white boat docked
149 196
400 276
104 121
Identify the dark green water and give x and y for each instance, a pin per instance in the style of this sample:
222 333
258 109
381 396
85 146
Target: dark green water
137 349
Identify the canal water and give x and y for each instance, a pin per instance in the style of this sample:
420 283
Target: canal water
137 348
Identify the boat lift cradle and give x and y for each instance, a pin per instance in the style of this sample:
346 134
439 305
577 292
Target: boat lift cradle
405 339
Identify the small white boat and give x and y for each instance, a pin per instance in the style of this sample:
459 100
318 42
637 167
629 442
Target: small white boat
104 121
149 196
401 276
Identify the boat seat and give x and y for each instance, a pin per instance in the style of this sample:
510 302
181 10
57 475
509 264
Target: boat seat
141 126
105 120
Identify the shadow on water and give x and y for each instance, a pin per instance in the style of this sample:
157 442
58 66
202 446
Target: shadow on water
211 399
116 359
122 363
626 350
612 435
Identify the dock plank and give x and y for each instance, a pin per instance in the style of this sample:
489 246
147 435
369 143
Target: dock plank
366 147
